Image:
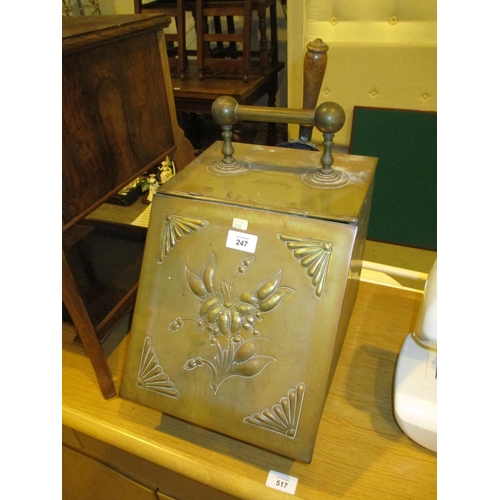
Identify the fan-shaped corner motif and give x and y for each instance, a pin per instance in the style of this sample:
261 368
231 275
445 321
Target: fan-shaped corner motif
151 375
313 256
174 229
283 417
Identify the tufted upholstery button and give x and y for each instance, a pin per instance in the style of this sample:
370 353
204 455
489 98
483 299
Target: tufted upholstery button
381 54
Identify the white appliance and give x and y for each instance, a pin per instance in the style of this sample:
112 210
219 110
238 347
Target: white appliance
415 381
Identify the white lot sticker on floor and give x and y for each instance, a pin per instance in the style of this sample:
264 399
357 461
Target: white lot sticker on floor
282 482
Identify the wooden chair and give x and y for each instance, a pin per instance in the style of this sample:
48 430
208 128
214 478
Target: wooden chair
177 10
216 49
224 55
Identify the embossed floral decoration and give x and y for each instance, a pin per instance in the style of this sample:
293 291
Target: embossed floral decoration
224 313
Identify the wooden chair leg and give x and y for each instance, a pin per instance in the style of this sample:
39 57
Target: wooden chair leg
264 54
247 39
273 15
180 22
200 44
78 312
268 48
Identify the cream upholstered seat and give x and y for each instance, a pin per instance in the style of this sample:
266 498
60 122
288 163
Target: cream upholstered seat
381 54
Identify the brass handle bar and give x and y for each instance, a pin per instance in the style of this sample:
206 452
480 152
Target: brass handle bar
328 117
274 115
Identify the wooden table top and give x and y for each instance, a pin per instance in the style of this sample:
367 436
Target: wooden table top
197 95
360 451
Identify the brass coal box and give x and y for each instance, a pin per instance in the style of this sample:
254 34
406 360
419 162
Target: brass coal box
249 277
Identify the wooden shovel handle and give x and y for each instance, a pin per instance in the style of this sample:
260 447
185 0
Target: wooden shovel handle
315 61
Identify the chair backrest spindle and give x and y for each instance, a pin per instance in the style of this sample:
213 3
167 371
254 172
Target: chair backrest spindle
176 9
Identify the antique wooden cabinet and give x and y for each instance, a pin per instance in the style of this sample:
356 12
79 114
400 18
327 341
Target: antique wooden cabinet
118 122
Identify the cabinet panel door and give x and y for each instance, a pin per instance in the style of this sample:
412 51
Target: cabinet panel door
116 119
84 478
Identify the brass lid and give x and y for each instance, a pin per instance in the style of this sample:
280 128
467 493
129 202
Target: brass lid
272 179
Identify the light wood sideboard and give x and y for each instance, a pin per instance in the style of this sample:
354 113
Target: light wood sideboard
360 451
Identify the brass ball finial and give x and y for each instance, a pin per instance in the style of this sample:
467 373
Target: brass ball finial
329 117
224 114
224 110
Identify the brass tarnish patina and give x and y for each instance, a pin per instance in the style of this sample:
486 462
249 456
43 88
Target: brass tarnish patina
248 283
151 376
313 255
174 229
282 417
226 313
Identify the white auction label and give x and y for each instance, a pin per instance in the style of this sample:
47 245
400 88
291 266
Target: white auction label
241 241
282 482
241 224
